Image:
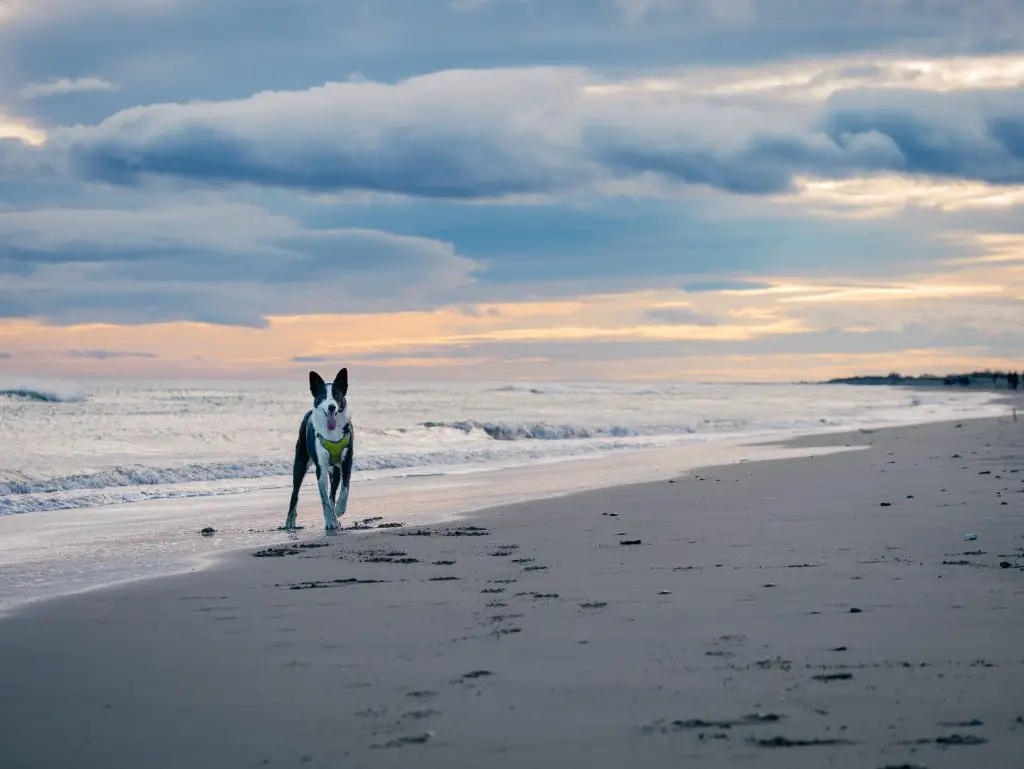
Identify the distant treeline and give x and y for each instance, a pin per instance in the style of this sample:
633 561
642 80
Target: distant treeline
972 379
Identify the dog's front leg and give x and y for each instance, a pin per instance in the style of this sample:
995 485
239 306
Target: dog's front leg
342 506
330 521
346 481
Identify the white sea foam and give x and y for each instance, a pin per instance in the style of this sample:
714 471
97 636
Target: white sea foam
66 448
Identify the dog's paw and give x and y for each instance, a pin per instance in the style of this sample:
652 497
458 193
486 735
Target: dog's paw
331 523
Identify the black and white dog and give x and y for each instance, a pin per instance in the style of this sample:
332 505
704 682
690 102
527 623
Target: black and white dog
327 440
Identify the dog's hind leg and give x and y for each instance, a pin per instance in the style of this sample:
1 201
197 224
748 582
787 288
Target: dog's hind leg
346 480
298 475
335 481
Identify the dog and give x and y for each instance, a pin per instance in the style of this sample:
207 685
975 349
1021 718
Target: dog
327 440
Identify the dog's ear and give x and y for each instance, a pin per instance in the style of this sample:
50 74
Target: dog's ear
316 383
341 380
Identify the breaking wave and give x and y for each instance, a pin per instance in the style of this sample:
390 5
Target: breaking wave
543 431
510 431
46 392
138 475
46 396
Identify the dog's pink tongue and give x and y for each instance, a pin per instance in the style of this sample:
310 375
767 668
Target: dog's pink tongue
332 421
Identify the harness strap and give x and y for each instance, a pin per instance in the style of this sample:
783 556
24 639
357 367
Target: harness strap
335 448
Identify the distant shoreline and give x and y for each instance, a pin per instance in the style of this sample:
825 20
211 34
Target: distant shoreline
976 380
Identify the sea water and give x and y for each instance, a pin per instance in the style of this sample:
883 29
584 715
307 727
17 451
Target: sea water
71 446
103 482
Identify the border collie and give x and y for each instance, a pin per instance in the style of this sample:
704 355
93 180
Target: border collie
326 439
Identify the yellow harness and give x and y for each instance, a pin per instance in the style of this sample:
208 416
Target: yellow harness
334 448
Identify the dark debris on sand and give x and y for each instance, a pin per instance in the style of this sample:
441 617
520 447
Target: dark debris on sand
694 724
961 739
833 677
278 551
457 531
391 556
416 739
785 742
949 740
962 724
332 583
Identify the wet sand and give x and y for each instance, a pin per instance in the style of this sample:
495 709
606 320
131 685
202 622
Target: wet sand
814 612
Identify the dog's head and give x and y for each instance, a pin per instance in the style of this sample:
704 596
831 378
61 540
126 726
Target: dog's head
330 398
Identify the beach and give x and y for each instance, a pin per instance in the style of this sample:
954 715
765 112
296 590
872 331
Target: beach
821 611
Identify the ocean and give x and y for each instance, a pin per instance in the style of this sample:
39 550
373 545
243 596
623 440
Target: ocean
72 445
109 482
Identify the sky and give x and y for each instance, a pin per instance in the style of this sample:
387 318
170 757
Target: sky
634 190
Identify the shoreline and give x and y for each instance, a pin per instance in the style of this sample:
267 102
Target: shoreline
727 634
159 538
140 526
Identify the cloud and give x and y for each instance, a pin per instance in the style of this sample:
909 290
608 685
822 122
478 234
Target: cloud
809 82
66 85
169 48
35 11
172 51
215 262
108 354
14 134
473 311
961 314
681 316
716 10
973 135
887 195
214 184
5 356
724 285
482 134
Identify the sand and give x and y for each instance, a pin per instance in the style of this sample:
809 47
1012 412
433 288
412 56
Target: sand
815 612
